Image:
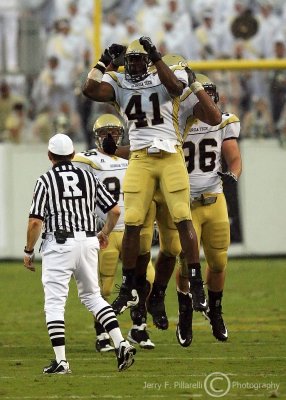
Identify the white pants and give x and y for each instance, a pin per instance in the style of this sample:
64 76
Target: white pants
78 257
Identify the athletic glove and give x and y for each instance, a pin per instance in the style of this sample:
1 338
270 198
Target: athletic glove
148 46
228 177
104 61
109 145
117 53
191 75
195 85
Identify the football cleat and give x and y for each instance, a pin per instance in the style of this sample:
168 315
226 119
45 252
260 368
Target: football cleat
139 335
156 307
102 343
214 316
126 298
125 355
184 331
57 368
198 295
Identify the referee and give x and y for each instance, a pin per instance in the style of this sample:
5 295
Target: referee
64 201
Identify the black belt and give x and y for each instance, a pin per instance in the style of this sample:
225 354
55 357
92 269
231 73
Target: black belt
68 234
204 200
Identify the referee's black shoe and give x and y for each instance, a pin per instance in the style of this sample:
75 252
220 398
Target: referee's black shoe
127 297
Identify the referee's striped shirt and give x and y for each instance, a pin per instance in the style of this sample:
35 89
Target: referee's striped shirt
66 198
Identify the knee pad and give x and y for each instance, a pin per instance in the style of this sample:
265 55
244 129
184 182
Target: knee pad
108 261
181 211
216 242
145 241
170 244
132 216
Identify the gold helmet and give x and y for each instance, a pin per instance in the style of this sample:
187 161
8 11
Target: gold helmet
209 86
136 62
174 59
107 124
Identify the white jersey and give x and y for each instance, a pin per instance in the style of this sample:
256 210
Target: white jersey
110 170
149 111
202 149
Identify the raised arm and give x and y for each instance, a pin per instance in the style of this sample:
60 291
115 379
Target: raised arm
206 109
167 77
93 87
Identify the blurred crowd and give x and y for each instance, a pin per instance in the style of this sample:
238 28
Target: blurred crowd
36 103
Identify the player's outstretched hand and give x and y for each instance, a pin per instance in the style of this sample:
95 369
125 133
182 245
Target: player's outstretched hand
117 53
228 177
191 75
150 48
109 145
105 58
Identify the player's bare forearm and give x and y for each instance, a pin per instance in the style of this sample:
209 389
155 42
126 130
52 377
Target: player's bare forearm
168 78
207 110
232 156
98 91
123 152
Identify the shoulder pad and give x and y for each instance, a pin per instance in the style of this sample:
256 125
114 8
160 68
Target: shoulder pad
113 75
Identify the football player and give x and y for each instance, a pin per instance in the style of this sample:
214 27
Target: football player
204 147
111 170
149 104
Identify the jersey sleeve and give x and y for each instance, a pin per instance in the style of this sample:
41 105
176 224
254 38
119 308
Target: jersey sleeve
230 126
37 209
111 78
182 75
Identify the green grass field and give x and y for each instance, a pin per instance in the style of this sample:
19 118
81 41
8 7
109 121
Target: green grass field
252 364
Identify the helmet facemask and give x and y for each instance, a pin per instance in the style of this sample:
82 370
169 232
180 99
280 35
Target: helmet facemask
103 132
136 66
210 88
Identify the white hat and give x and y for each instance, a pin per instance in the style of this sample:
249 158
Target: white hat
61 145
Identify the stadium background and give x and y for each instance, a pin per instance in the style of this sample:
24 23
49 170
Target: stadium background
256 209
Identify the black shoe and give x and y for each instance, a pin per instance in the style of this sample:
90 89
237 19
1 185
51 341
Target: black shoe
156 307
139 335
103 344
214 316
126 298
198 295
125 355
57 368
184 330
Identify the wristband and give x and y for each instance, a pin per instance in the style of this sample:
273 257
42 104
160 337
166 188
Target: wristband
28 252
196 87
95 74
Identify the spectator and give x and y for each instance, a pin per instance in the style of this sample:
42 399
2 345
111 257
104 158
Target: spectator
18 125
9 25
207 36
7 100
257 123
277 81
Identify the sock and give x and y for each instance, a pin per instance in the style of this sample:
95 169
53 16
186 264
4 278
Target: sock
107 318
181 291
98 328
56 331
60 353
195 271
157 288
215 298
128 277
